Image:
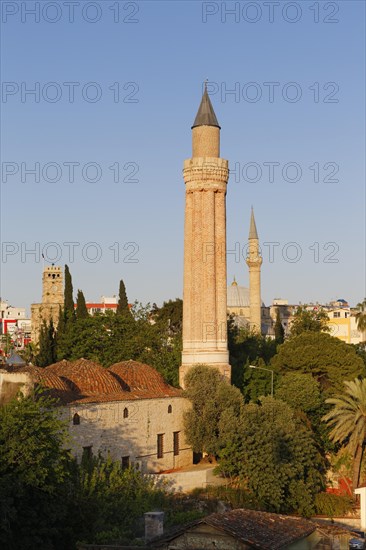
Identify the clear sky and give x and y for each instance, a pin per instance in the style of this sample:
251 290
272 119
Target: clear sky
118 84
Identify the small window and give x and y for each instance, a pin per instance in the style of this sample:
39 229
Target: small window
336 314
160 445
170 409
125 412
176 443
76 419
125 462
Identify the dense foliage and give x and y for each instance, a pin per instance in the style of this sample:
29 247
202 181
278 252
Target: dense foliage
329 360
49 501
305 319
274 452
215 403
247 347
143 334
47 345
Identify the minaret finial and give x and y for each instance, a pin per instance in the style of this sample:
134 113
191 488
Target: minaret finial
206 114
253 234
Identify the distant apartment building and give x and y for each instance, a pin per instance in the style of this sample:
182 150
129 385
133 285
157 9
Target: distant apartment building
14 323
107 303
343 325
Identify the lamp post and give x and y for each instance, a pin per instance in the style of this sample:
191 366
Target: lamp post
269 370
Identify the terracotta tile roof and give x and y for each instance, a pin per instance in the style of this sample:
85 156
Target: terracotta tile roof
87 377
85 381
143 379
261 530
56 387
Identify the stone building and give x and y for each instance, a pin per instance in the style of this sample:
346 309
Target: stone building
52 300
128 410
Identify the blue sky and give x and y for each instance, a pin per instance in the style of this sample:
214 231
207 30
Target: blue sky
157 56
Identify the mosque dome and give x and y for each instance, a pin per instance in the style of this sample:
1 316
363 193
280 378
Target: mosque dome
237 296
86 377
142 379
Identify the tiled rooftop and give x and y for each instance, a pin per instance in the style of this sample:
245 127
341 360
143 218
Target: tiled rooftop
85 381
87 377
142 379
260 530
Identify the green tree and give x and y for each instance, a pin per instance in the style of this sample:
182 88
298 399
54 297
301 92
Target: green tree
329 360
278 329
275 455
47 499
170 315
122 308
361 317
314 320
300 391
213 400
348 421
30 352
109 500
47 345
69 310
6 343
81 309
33 475
247 347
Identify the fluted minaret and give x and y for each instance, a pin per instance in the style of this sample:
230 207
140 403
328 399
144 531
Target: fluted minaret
204 294
254 262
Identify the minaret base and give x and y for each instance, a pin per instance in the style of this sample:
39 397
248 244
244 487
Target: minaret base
223 367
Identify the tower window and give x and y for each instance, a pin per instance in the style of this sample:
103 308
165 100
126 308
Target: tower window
160 445
125 412
76 419
176 443
125 462
170 409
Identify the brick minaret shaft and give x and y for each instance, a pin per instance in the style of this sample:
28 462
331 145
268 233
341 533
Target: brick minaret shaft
254 262
204 294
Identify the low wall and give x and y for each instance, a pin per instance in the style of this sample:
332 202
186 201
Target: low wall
187 480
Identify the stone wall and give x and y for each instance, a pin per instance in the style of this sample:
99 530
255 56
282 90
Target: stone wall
108 427
11 383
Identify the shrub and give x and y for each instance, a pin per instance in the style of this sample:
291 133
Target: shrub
332 505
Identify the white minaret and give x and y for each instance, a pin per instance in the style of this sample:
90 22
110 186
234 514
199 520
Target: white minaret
254 262
204 294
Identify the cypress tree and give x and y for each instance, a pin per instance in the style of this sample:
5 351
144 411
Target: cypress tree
278 329
81 309
47 345
122 308
61 325
68 296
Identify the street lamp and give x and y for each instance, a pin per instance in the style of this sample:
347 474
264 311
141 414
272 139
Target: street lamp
269 370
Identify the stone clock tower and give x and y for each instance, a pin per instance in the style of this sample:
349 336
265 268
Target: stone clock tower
52 299
204 293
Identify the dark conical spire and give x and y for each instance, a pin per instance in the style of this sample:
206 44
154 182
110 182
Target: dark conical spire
205 114
253 228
